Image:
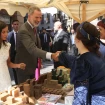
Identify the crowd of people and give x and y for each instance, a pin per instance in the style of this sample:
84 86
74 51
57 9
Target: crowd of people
21 48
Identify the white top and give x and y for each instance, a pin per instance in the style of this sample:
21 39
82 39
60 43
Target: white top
5 81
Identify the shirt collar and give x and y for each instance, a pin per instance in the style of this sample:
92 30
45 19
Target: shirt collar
30 24
59 30
15 31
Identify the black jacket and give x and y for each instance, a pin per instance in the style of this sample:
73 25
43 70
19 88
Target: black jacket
61 42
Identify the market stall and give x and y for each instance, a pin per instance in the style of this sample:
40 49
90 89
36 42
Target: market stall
51 88
79 10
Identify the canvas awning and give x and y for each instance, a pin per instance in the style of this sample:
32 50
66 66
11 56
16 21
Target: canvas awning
21 5
73 8
11 8
81 11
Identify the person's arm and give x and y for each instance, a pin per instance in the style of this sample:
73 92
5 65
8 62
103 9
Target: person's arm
30 46
66 59
12 65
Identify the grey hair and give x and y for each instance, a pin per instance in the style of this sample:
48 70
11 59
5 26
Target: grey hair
58 23
32 9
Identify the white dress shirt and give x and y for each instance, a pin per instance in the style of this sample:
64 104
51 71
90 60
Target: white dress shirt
59 31
15 37
73 38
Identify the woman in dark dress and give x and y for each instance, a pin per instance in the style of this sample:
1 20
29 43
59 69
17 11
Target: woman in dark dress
88 69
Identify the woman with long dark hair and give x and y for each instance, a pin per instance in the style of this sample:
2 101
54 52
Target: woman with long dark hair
88 69
5 81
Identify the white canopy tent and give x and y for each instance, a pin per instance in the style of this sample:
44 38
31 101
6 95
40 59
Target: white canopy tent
21 5
73 8
11 8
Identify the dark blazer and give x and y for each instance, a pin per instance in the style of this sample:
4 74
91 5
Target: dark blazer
12 49
61 42
27 50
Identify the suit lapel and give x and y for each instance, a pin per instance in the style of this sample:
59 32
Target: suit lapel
57 37
60 34
31 31
33 36
12 41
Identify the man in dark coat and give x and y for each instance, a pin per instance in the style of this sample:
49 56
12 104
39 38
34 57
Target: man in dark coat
28 46
60 41
12 39
45 40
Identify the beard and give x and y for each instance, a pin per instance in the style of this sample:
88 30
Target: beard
35 24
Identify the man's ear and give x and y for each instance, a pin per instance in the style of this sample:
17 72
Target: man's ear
12 25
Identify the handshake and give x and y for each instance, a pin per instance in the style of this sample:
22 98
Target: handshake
55 56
